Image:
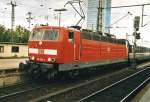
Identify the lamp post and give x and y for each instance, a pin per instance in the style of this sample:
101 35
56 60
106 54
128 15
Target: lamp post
60 10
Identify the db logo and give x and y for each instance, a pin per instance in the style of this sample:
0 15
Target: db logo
108 49
41 51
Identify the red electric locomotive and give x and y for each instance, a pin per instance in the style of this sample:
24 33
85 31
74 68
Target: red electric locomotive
58 49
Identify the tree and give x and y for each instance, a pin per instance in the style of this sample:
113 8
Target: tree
20 35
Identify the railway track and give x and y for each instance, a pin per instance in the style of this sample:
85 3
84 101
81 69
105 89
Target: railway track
57 90
121 91
17 88
17 92
11 76
77 92
28 92
7 72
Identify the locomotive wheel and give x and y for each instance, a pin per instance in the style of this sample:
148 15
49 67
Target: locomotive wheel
51 74
72 74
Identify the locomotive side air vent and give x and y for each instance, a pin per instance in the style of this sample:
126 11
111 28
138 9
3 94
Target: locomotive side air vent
87 30
110 35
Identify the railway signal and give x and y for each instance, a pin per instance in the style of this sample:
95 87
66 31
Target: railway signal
29 19
136 23
136 27
136 36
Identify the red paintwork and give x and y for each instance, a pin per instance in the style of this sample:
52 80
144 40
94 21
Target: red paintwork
79 51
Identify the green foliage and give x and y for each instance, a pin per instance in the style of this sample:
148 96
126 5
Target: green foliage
20 35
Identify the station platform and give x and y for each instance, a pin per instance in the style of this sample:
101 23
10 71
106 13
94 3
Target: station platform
11 63
144 95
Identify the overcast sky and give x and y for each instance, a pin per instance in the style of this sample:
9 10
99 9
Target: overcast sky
42 14
126 24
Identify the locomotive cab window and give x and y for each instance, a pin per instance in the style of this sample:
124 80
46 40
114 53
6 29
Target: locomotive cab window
44 34
50 35
71 36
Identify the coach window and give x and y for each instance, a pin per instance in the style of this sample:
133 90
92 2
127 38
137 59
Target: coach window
15 49
71 36
1 49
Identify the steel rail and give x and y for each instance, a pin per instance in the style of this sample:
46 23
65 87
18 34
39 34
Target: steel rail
137 89
21 92
112 85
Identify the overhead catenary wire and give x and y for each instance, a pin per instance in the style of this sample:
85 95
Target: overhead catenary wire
80 13
127 6
138 5
120 19
45 2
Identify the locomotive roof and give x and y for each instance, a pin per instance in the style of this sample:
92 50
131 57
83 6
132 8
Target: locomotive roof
47 27
54 27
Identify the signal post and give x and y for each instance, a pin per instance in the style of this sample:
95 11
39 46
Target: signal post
136 36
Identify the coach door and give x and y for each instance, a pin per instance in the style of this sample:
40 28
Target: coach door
74 37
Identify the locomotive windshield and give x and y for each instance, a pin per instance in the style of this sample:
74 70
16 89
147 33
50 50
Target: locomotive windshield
46 34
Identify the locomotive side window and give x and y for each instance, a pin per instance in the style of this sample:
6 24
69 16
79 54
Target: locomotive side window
71 36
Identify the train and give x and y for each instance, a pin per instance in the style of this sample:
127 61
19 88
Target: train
53 49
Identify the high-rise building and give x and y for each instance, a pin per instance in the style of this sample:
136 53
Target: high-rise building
107 16
92 14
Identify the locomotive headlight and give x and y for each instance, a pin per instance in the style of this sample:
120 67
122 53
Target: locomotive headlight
40 43
49 59
32 58
53 60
